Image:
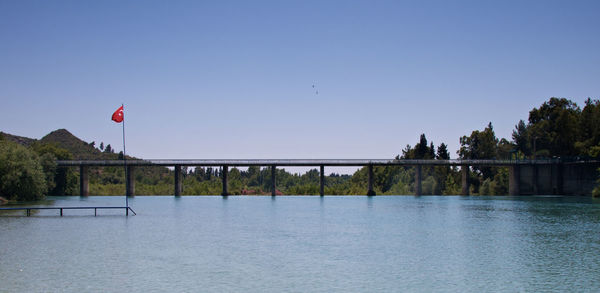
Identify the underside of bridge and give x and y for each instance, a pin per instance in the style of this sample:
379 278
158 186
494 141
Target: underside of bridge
541 177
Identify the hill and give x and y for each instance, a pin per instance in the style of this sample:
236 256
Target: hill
80 149
25 141
62 138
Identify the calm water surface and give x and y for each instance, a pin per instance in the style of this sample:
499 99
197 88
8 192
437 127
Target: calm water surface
306 244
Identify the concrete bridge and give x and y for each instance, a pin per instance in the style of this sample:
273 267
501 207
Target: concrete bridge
526 177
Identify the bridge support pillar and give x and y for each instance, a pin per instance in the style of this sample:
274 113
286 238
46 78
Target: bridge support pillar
513 180
273 181
557 180
370 192
84 186
464 170
178 186
224 175
534 180
418 190
322 181
130 185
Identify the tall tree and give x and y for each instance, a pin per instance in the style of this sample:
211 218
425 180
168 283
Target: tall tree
442 152
521 138
553 127
480 145
589 129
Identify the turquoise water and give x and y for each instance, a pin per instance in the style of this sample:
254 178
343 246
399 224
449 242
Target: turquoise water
306 244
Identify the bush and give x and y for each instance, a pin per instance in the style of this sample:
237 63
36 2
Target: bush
21 175
60 180
452 188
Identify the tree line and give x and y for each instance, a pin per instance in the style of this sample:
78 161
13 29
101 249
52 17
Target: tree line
559 128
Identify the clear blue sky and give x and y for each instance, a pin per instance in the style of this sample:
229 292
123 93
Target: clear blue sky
227 79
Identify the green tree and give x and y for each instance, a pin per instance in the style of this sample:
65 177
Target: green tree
442 152
480 145
48 163
553 128
521 138
21 175
62 180
589 134
451 187
504 149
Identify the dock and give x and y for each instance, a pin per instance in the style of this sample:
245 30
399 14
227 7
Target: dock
61 209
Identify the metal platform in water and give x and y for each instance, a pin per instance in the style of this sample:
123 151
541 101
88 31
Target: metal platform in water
28 209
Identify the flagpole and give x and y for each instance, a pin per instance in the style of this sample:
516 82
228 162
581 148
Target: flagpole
125 161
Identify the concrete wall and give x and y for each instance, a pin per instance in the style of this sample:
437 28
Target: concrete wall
557 179
579 179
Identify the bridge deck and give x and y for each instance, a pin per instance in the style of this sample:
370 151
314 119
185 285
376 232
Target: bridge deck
308 162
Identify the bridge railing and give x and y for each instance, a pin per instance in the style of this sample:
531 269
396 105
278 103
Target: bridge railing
306 162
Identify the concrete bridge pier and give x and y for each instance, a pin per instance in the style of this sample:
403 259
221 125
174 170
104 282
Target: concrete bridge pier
370 192
84 182
273 181
418 190
534 180
557 184
513 180
464 179
130 184
224 177
322 181
178 185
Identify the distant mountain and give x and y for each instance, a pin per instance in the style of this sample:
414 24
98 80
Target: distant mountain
80 149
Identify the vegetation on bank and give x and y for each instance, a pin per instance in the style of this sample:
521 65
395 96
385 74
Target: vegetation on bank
30 173
558 128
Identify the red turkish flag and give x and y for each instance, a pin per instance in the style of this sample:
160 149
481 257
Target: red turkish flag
118 115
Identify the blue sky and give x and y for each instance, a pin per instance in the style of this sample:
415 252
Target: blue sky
233 79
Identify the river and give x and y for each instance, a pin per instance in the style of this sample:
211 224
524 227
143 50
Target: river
305 244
